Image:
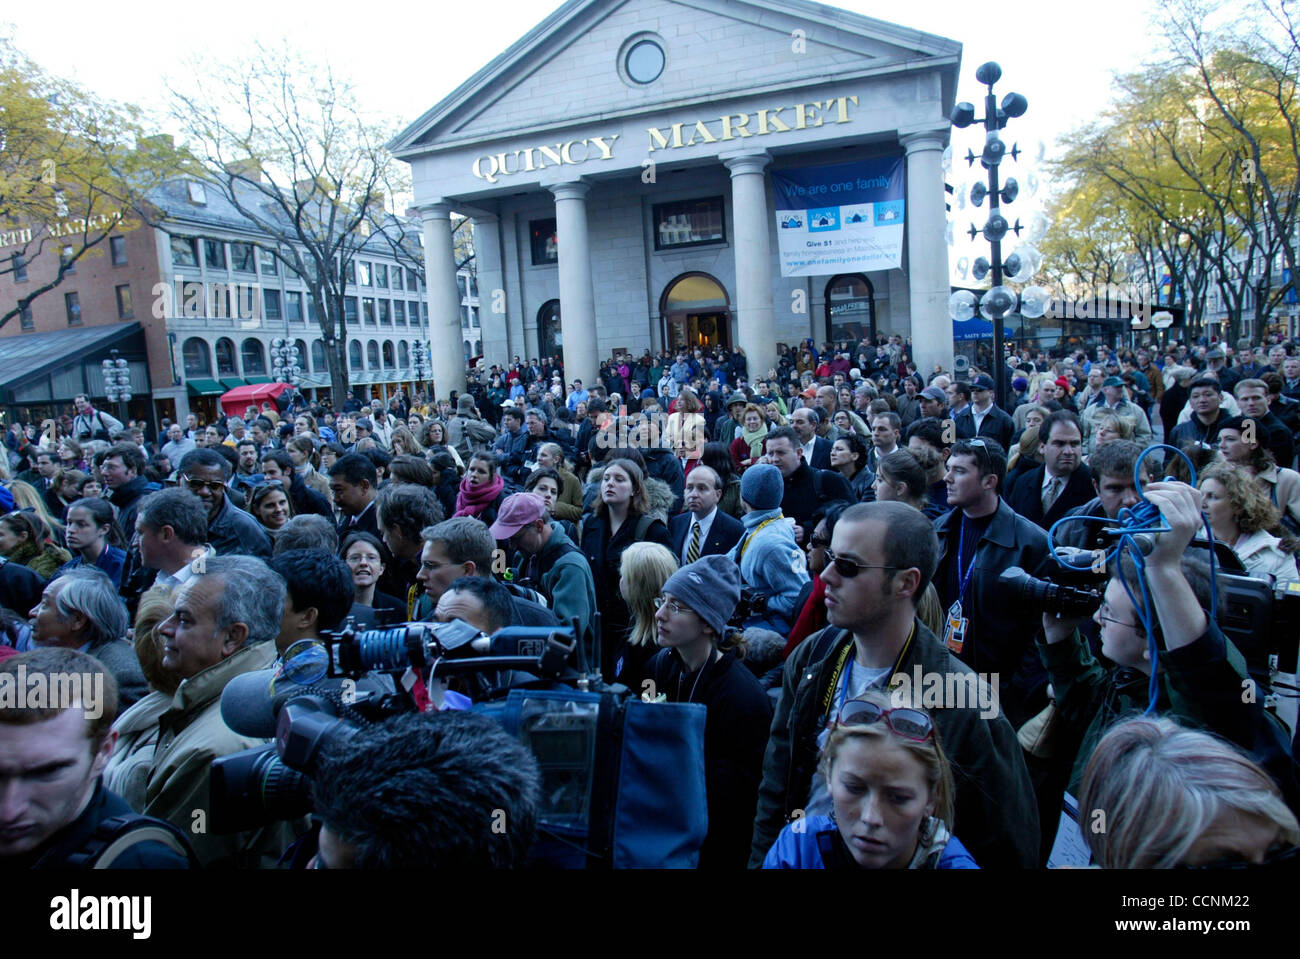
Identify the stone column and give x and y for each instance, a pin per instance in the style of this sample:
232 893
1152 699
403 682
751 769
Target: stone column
491 289
446 353
577 294
751 242
927 251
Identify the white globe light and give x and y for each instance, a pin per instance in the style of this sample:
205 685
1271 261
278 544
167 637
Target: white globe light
998 301
1034 301
1162 320
1031 261
961 306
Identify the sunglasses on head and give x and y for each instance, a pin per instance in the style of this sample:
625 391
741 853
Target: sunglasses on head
909 723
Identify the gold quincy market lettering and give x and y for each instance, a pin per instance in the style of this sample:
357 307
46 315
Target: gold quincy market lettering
737 125
733 126
508 163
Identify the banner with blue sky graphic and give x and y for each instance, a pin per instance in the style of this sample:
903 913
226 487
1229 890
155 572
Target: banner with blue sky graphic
840 219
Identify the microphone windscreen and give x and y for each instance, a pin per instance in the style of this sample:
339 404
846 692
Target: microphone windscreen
248 704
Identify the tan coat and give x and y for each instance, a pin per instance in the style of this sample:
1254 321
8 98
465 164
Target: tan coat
191 733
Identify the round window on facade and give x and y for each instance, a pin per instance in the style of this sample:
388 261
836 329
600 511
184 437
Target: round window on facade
644 61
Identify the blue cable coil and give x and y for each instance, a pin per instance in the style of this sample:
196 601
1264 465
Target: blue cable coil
1144 517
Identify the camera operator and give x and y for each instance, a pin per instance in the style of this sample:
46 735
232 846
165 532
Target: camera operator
439 790
1202 675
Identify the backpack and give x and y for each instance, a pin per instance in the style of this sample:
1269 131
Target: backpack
623 779
117 835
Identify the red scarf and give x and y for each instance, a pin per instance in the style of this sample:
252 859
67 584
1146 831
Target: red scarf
472 500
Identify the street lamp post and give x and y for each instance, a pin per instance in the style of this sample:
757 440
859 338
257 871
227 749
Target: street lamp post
117 383
420 358
284 362
1021 266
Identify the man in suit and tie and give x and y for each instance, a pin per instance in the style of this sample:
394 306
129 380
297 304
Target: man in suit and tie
816 449
703 529
1063 482
355 484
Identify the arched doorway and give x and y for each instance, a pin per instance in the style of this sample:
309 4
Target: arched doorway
549 340
850 308
696 313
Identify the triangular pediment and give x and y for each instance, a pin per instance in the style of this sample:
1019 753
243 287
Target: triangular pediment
566 70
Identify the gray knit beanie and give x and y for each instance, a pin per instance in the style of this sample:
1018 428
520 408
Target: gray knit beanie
762 487
710 586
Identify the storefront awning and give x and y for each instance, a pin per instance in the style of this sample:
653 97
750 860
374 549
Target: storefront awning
233 382
55 366
204 388
258 379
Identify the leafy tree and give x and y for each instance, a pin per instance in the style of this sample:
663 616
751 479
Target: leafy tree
73 169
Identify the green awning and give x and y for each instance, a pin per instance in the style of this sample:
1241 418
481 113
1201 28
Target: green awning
231 382
204 387
250 380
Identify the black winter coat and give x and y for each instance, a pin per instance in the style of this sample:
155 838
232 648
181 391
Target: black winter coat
735 738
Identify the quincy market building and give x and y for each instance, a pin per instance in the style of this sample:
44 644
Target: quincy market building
655 174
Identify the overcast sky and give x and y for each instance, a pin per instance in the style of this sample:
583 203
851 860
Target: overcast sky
404 57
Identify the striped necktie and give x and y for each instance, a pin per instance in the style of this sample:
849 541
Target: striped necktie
693 552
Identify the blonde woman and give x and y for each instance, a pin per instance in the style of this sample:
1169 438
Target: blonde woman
644 569
687 429
127 772
404 441
891 791
27 498
1181 797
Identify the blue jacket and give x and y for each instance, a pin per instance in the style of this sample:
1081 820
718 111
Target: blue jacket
111 560
804 843
772 564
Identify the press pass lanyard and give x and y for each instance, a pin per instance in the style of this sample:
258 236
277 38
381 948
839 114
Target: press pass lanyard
954 634
846 659
961 548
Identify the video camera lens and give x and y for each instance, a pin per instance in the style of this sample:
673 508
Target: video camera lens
254 787
1045 596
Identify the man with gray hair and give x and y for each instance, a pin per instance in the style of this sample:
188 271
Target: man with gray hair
81 610
224 624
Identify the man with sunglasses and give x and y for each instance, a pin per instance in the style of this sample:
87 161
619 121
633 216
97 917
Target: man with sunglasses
881 559
230 530
979 538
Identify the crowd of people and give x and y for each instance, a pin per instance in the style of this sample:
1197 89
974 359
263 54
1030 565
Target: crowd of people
787 548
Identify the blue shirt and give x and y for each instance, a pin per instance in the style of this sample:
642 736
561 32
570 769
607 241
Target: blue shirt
111 560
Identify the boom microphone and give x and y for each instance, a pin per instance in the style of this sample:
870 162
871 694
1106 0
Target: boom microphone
251 703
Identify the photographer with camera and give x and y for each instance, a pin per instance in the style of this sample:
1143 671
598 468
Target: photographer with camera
1202 678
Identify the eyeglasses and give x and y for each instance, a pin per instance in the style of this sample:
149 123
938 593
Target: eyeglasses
849 568
1103 609
819 542
906 722
196 485
674 608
